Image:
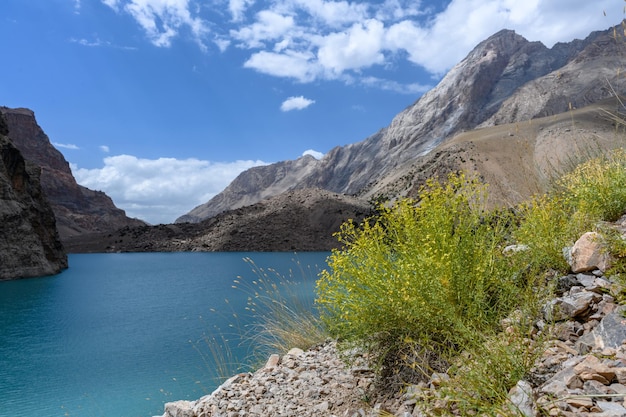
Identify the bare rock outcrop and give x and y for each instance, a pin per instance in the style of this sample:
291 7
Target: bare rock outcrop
29 243
594 74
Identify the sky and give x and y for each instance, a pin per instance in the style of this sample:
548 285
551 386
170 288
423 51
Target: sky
161 103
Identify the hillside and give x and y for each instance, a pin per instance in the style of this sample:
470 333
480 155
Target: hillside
300 220
517 160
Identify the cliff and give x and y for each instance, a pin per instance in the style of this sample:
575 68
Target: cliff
77 209
30 244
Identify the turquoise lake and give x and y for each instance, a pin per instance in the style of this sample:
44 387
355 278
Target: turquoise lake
119 335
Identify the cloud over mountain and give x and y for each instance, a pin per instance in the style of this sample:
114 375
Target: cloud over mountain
159 190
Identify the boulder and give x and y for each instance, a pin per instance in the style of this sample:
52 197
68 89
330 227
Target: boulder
589 253
610 332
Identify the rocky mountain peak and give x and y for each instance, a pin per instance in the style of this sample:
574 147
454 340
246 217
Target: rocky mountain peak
584 72
470 94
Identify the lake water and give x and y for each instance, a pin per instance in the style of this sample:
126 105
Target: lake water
119 335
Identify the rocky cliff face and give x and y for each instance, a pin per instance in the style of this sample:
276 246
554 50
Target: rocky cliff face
592 75
77 209
30 244
476 91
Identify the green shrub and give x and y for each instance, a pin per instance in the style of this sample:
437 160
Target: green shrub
545 227
430 274
596 189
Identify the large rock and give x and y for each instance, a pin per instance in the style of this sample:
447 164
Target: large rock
610 333
589 253
77 209
30 244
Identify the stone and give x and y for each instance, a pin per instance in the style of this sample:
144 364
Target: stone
580 402
576 305
589 253
611 409
557 385
566 282
295 352
586 280
179 409
610 332
272 361
591 368
511 249
521 397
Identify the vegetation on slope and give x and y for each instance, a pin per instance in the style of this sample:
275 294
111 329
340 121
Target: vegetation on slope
425 285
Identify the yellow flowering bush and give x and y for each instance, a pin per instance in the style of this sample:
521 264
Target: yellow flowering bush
429 271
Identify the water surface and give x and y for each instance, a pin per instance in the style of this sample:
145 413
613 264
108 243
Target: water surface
118 335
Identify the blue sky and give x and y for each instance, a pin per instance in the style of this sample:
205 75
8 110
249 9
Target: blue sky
161 103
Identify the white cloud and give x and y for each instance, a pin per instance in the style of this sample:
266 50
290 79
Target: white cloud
66 146
160 190
358 47
310 40
104 148
333 13
269 26
391 85
237 8
97 42
296 103
288 64
313 153
114 4
162 20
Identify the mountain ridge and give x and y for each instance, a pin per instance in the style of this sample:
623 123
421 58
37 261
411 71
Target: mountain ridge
469 95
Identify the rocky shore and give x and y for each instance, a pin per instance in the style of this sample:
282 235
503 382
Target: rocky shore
580 370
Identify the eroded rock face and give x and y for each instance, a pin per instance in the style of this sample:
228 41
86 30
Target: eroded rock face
29 241
77 209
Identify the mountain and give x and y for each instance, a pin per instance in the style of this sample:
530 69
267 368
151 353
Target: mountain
77 209
298 220
30 244
505 79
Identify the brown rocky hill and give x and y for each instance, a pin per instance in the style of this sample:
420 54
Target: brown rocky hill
490 86
517 160
29 241
77 209
299 220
